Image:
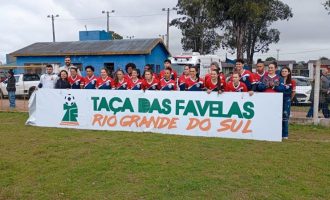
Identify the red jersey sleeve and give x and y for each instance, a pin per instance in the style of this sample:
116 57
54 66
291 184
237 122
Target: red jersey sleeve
294 84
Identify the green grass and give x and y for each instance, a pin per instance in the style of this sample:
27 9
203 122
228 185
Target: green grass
49 163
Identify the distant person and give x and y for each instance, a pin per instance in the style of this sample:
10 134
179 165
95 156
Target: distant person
128 68
90 79
120 82
246 76
63 82
11 89
104 82
150 82
136 80
194 82
272 82
235 85
168 64
215 83
167 83
183 77
288 94
260 72
323 97
49 79
68 66
149 67
76 81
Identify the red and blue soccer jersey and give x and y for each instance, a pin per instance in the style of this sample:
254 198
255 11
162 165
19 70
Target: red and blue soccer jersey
247 78
125 84
181 82
90 82
222 79
241 87
174 74
127 76
153 85
105 84
167 84
137 85
76 82
271 84
209 85
257 76
194 85
289 88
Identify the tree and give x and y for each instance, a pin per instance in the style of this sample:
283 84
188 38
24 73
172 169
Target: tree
270 59
327 5
198 32
116 36
246 24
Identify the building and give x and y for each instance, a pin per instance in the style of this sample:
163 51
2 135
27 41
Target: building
94 49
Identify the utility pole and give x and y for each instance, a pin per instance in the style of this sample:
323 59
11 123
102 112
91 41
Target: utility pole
278 54
53 26
168 25
108 16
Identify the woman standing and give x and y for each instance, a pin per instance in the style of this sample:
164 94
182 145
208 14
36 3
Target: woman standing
215 82
271 82
149 82
63 82
136 81
288 94
121 83
167 83
194 82
104 82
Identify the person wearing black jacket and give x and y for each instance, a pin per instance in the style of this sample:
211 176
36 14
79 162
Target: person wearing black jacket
63 82
11 88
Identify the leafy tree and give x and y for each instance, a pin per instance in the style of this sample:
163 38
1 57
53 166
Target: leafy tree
116 36
327 5
246 24
198 32
270 59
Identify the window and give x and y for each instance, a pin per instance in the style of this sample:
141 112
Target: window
31 77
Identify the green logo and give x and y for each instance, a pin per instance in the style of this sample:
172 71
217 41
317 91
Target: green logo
70 108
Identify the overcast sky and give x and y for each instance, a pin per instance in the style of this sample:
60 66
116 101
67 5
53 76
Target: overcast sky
305 36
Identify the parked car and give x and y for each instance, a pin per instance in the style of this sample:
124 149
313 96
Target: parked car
303 90
25 85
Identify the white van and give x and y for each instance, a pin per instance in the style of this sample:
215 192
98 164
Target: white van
203 62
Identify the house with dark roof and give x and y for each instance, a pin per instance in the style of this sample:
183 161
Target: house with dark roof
110 54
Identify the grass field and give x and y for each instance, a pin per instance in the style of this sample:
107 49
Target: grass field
47 163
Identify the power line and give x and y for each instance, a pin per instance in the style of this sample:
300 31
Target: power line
120 16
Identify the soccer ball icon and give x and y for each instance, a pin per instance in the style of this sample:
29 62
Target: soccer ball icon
69 99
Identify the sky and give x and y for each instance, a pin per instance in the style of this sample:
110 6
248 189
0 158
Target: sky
304 37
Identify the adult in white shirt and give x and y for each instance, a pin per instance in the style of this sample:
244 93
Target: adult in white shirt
48 79
68 66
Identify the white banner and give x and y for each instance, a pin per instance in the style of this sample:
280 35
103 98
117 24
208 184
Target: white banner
228 115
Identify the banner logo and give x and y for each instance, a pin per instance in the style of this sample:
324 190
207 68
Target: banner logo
70 109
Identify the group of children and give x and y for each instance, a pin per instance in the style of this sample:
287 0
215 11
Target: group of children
241 80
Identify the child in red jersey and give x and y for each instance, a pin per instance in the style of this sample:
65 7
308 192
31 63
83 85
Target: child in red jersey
121 83
149 82
235 85
167 83
183 77
104 82
75 80
136 81
194 83
215 83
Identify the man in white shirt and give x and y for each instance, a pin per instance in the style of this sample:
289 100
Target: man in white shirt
68 66
49 79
